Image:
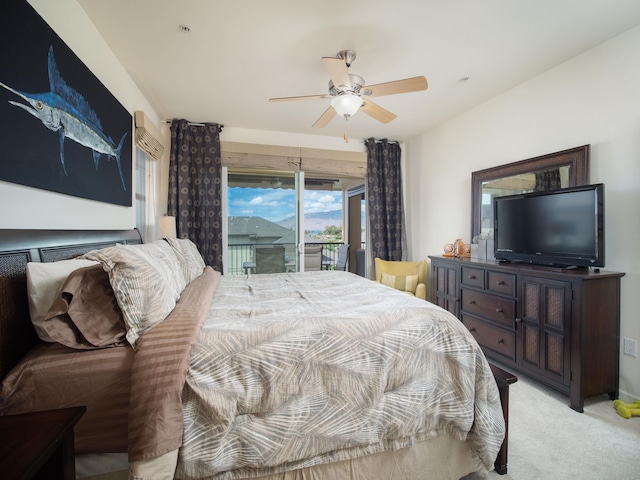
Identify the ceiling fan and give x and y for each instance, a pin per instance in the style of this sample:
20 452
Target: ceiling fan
349 94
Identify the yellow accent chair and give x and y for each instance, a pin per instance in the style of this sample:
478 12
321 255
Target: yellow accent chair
410 277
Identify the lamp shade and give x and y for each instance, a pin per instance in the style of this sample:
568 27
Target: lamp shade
168 227
346 105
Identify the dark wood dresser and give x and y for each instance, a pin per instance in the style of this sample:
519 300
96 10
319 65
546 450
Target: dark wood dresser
558 326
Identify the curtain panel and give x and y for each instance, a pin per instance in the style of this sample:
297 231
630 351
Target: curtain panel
549 180
195 187
384 200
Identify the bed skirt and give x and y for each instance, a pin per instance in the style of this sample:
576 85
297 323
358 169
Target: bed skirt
440 458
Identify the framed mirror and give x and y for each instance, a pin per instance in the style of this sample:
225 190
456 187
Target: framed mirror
567 168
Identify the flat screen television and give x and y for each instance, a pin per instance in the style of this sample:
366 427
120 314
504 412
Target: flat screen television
562 227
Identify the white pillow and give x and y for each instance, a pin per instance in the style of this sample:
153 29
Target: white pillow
44 285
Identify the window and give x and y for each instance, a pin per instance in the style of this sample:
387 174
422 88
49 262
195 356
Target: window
145 196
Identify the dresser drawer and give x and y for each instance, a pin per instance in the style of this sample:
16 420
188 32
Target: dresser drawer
499 282
497 309
493 338
473 277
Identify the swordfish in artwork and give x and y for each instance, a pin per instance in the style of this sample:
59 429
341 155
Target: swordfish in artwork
64 110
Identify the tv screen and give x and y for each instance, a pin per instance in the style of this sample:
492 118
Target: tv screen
560 227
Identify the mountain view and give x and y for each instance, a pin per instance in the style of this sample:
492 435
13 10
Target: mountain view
315 222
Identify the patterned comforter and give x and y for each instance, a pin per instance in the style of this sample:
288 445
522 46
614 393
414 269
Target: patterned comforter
294 370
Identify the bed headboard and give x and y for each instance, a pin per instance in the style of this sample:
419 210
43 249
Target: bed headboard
17 247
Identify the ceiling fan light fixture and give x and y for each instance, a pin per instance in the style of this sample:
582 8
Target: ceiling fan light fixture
346 105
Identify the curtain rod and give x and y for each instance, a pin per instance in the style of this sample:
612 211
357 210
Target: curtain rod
193 124
381 140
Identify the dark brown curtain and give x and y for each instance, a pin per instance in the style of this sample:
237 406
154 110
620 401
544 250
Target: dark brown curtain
549 180
195 187
384 200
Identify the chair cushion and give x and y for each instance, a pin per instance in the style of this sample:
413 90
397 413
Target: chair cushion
406 283
401 268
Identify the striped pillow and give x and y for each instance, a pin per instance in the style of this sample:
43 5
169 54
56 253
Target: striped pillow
190 258
147 281
407 283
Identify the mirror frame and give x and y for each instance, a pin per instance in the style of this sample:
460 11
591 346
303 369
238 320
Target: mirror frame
576 158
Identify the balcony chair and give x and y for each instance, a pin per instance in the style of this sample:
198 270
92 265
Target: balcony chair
270 260
312 258
343 256
410 277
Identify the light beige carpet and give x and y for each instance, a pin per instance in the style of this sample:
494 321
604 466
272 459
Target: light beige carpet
549 441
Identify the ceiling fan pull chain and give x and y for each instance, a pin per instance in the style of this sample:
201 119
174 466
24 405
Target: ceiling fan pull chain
346 129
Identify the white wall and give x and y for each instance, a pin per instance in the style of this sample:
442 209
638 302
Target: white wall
231 134
592 99
25 207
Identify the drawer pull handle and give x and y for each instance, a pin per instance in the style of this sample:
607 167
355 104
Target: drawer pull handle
500 282
518 320
499 310
501 340
472 329
472 302
472 277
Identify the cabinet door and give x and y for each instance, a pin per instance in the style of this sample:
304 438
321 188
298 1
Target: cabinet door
445 285
543 324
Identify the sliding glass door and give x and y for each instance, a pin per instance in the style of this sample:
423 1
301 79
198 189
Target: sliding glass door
263 230
282 221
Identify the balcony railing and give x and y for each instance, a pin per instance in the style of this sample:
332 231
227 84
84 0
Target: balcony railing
239 255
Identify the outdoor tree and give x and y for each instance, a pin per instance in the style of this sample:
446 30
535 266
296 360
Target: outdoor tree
333 231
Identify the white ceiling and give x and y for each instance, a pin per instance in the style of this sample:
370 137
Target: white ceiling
240 53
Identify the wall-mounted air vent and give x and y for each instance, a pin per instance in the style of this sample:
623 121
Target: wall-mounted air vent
148 138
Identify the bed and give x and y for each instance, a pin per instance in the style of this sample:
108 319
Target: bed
283 376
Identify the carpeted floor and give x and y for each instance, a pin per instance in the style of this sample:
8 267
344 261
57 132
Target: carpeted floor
550 441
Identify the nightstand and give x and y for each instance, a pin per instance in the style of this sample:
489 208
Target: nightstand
39 444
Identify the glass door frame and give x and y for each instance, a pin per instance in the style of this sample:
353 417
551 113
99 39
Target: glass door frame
224 202
299 181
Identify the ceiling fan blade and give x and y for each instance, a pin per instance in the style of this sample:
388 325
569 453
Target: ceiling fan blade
377 112
407 85
338 71
325 118
304 97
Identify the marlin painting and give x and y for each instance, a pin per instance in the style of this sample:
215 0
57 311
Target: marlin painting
64 110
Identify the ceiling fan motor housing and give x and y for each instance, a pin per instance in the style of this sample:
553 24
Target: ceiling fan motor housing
357 83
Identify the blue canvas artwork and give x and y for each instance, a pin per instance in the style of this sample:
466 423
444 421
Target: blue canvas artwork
60 128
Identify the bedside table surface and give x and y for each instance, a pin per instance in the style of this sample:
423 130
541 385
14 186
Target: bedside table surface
30 439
